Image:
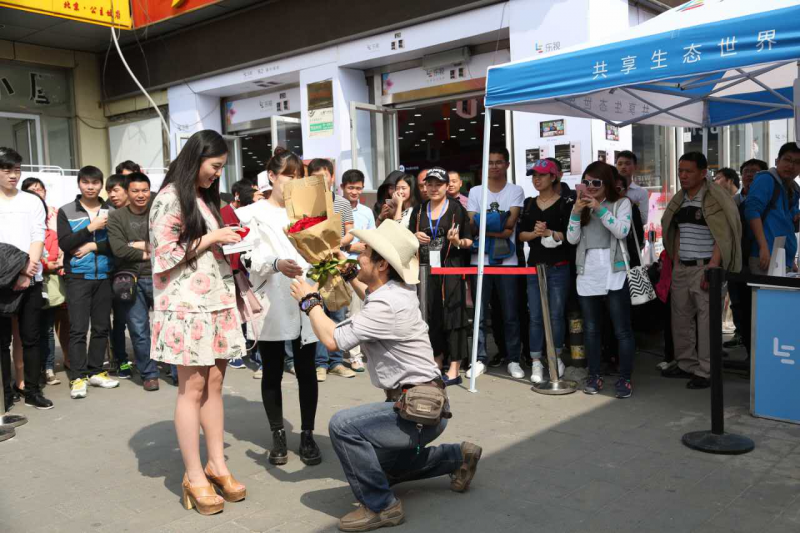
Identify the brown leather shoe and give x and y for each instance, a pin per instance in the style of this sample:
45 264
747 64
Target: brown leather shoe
363 519
150 385
231 490
462 477
204 499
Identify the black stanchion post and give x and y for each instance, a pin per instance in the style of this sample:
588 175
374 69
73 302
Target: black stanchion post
717 441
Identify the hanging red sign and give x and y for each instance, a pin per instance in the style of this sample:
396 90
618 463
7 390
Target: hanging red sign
146 12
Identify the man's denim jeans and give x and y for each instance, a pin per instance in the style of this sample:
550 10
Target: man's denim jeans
324 358
137 318
378 449
506 287
558 280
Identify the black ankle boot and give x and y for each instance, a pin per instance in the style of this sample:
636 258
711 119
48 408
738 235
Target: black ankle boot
309 451
279 455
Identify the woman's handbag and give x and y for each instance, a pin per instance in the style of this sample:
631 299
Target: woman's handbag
248 304
638 281
56 293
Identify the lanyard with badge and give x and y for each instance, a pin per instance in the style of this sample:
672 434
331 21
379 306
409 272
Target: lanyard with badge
436 245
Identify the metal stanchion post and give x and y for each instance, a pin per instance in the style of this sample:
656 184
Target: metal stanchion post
555 386
717 441
424 279
8 421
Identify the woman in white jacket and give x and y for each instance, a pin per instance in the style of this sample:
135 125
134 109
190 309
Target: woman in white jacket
274 264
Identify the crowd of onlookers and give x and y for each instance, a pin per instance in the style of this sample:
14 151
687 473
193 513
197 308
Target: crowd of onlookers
88 267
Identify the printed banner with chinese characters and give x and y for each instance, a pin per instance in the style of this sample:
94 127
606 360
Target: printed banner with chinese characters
690 66
151 11
104 12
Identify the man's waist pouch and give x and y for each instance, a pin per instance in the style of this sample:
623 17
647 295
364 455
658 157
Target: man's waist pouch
422 403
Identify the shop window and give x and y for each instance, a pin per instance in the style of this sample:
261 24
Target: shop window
650 146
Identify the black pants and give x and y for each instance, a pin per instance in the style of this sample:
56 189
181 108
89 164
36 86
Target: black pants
272 355
89 301
28 314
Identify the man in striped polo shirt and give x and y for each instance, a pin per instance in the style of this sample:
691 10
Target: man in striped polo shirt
702 230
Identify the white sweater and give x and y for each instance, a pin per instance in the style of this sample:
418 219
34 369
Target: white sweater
282 318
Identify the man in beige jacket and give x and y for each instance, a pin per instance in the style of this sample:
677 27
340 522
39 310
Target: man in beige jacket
702 230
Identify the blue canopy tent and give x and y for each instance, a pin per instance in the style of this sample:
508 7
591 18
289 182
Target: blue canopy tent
705 63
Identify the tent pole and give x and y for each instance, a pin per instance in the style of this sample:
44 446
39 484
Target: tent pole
478 296
705 142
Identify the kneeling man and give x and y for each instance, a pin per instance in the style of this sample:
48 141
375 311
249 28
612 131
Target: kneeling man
376 446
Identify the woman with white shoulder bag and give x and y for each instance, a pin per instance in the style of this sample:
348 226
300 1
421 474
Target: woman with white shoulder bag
599 220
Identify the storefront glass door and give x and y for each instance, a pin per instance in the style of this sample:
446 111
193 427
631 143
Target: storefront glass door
22 133
373 138
287 133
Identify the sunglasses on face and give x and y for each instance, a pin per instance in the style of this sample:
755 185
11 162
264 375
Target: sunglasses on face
593 183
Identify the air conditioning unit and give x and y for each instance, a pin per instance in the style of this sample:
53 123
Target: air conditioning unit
448 58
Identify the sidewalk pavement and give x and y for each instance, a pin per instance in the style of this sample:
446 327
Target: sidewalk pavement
110 463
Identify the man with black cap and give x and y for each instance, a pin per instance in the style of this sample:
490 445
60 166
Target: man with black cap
375 444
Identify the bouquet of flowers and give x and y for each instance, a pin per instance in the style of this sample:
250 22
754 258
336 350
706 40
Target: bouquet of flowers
316 233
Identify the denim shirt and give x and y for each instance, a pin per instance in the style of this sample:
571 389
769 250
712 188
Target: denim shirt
780 219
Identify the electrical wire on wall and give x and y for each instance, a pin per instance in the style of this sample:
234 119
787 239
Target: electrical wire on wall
138 84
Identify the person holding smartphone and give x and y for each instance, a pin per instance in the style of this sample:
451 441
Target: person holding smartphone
599 219
88 265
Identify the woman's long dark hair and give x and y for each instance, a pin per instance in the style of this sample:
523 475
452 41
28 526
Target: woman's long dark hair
182 174
415 197
606 173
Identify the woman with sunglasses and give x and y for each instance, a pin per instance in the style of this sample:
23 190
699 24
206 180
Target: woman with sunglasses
600 218
543 225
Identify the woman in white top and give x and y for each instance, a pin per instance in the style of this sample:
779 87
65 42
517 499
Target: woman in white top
599 220
274 264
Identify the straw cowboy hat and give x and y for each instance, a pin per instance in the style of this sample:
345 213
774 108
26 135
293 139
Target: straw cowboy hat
397 245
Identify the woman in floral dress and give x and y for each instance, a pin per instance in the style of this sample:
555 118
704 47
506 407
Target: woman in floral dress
196 324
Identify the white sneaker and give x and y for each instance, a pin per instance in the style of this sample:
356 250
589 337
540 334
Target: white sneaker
515 371
561 368
478 368
77 389
537 374
102 380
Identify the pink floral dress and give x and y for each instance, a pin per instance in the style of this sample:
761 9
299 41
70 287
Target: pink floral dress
195 320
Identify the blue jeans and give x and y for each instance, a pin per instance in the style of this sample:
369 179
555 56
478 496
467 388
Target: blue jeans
619 308
558 279
506 287
47 338
137 318
118 349
327 359
378 449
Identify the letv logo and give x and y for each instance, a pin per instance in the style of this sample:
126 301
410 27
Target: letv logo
784 352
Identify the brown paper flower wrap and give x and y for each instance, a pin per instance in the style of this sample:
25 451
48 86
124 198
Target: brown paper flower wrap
320 242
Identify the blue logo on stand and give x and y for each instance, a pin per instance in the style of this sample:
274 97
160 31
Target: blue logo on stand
777 339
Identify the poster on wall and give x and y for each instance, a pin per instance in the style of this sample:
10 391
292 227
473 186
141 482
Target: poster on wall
551 128
612 132
531 156
320 109
601 156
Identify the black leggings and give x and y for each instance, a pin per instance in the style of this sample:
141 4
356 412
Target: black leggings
272 356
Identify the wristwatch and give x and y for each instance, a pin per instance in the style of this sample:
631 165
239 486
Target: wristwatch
308 304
